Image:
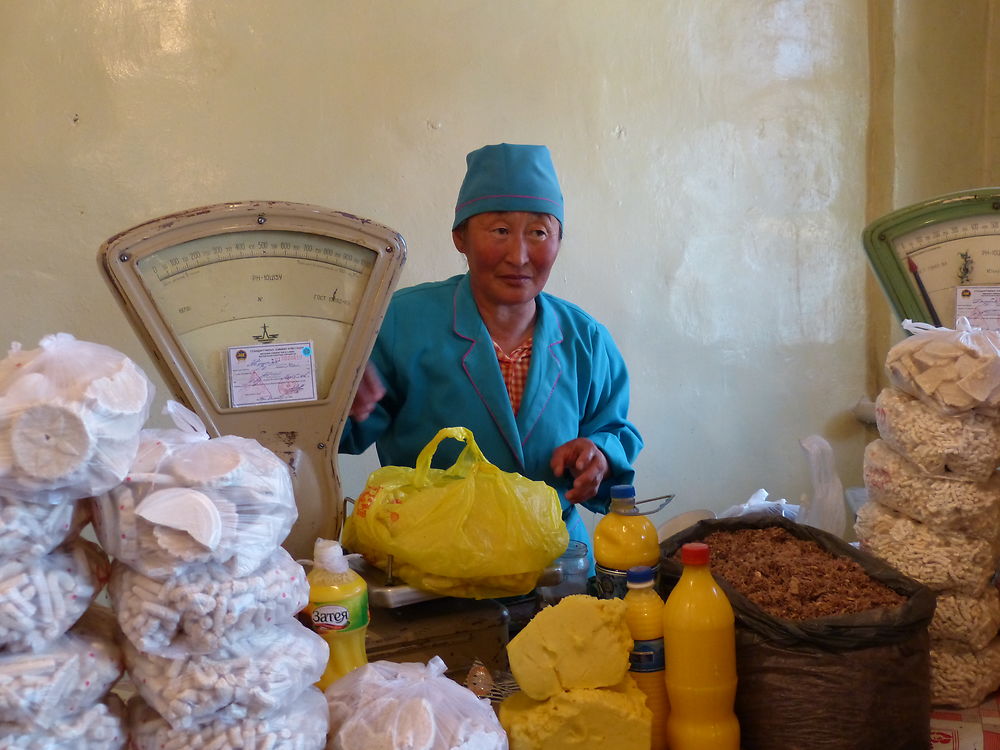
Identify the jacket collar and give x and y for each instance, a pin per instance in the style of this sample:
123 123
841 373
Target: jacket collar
480 365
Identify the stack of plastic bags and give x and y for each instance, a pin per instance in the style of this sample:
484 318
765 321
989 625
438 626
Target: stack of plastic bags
933 509
207 598
70 417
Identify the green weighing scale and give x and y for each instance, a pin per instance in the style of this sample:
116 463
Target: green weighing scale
940 259
260 316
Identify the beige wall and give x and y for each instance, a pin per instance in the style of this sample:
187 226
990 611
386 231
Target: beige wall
945 63
714 165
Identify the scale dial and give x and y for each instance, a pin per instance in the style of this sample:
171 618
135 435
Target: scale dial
249 288
197 283
922 253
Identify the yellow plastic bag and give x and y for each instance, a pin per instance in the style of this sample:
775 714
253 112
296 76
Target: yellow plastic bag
471 530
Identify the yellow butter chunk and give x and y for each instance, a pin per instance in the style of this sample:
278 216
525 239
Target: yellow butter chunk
614 718
581 642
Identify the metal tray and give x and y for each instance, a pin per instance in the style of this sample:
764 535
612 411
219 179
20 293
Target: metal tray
391 594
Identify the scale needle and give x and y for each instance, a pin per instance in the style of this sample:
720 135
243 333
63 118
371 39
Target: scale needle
923 292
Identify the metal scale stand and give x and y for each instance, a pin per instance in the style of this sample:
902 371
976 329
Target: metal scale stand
260 316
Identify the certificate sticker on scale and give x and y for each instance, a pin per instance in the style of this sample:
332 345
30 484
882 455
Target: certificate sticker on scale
271 374
980 304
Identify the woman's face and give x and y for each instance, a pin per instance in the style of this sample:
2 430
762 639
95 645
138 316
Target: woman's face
510 254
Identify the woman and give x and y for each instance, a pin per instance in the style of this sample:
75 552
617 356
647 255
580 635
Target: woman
538 381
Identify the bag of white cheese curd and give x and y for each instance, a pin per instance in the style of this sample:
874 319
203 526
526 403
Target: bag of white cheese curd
206 609
190 501
42 597
257 676
42 689
34 529
384 705
100 726
70 416
302 726
952 370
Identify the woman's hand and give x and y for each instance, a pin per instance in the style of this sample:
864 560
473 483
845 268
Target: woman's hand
585 462
370 392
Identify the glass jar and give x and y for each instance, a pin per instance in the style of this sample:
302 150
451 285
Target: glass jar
572 566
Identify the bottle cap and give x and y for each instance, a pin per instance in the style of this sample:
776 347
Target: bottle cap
695 553
623 499
623 490
638 576
330 555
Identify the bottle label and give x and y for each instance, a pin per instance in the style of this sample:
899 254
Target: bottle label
328 617
611 583
646 656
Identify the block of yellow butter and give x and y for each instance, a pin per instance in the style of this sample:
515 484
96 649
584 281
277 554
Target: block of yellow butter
581 642
612 718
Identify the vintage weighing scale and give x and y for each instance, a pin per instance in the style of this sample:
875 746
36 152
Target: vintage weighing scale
940 259
261 316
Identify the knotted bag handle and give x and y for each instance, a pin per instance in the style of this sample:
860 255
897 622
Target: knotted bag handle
470 456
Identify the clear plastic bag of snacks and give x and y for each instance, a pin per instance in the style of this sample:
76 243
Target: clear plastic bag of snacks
191 501
42 597
203 610
300 725
70 416
42 688
100 726
256 676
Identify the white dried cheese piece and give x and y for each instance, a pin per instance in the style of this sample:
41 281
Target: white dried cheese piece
931 379
49 441
186 510
981 380
415 727
122 393
212 463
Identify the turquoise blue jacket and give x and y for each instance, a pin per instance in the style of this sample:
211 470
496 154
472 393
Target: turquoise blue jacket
437 363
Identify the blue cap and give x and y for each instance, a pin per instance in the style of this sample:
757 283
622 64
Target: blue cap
639 574
509 177
622 491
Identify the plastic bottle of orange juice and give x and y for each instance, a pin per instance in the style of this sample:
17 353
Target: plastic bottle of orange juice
644 617
338 610
623 539
699 639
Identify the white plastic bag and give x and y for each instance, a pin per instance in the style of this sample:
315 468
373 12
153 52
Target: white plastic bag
34 529
960 446
256 676
758 503
207 609
100 726
70 416
69 676
384 706
191 501
301 725
953 370
42 597
827 510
